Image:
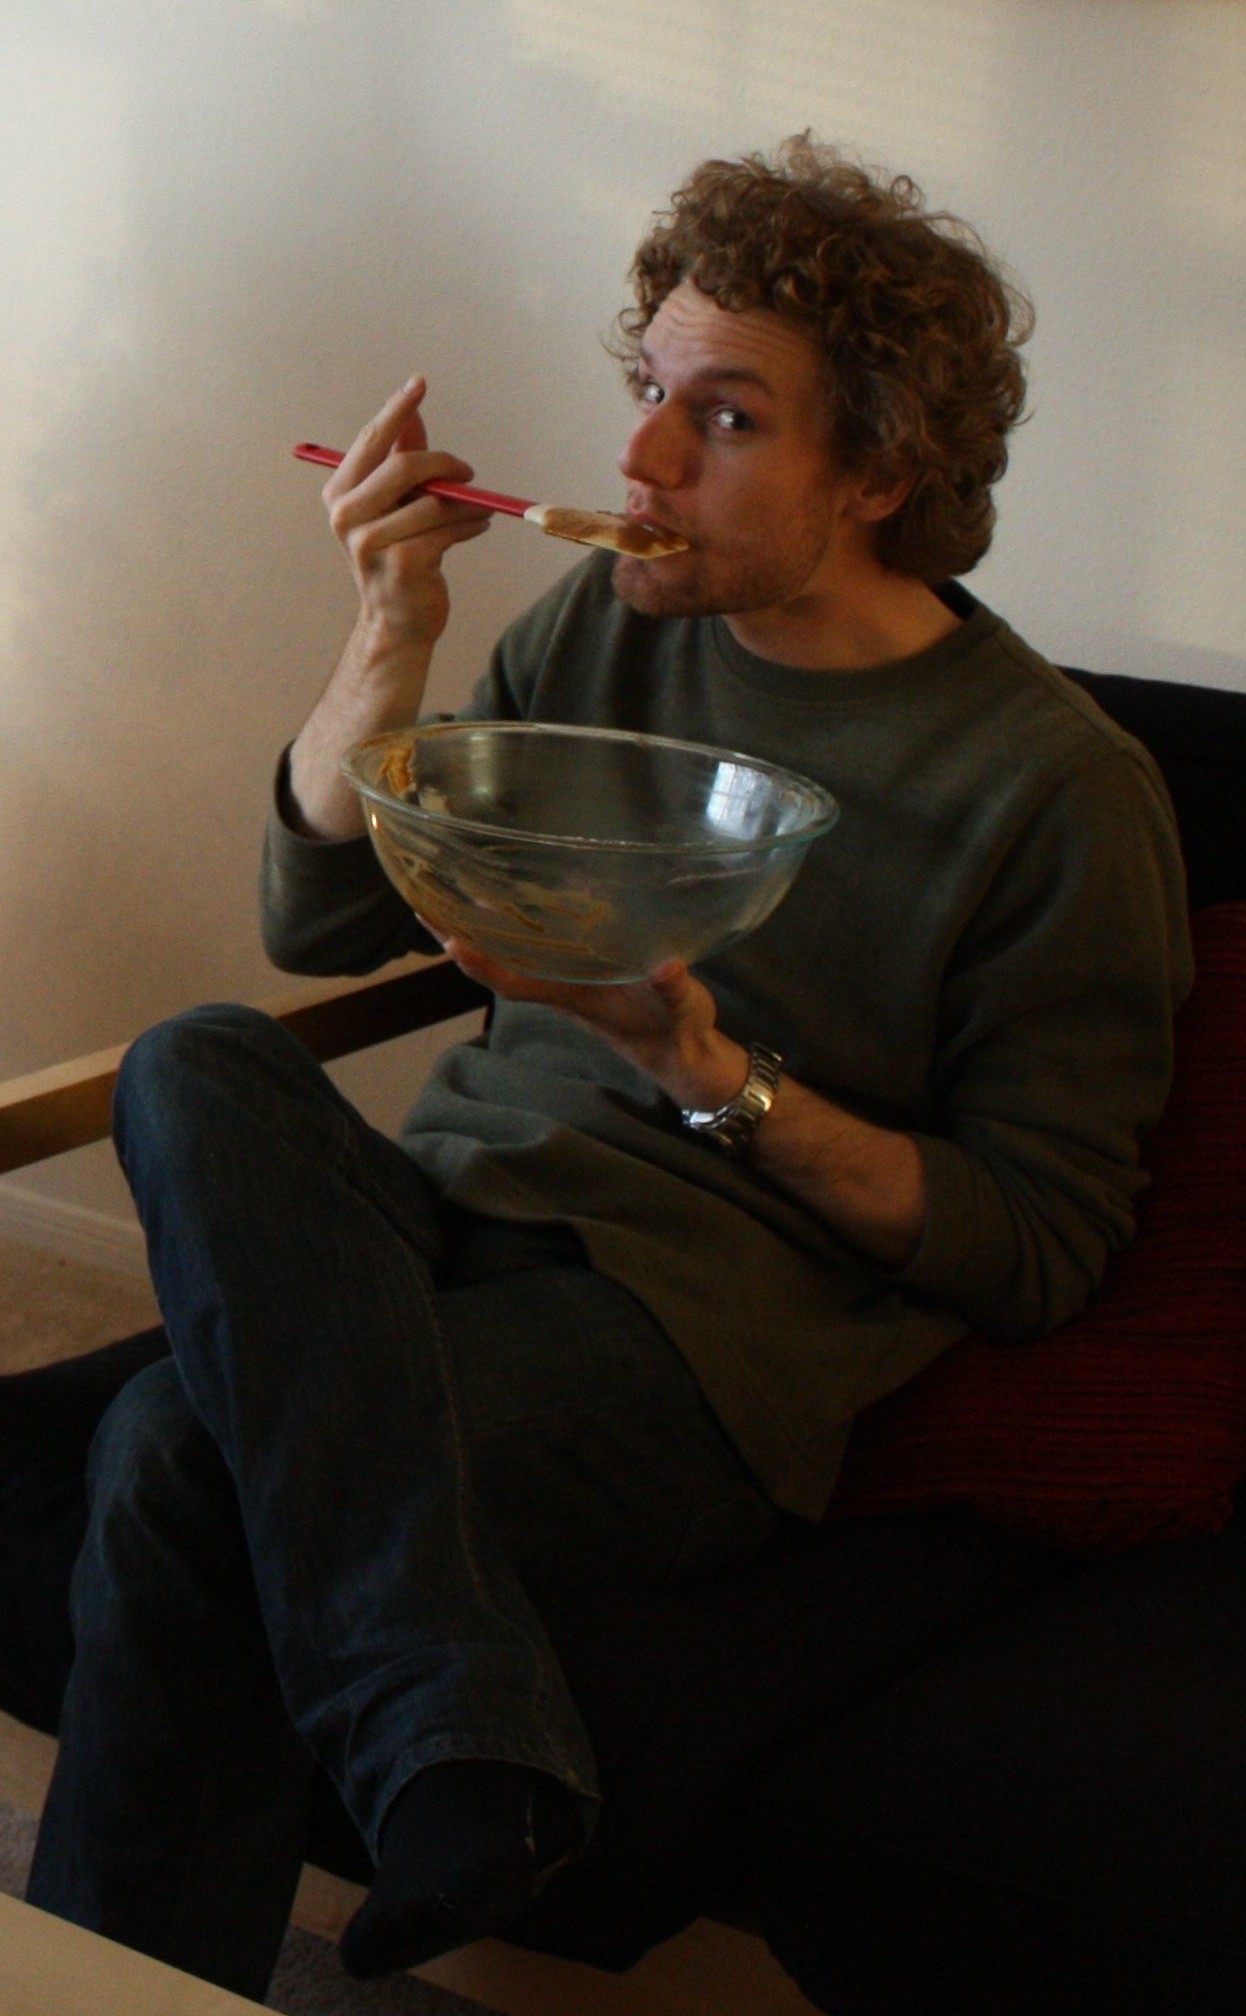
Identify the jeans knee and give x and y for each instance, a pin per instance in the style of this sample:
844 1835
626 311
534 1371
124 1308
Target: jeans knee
200 1040
180 1070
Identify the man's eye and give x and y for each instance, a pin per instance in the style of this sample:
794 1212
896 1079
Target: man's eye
647 391
731 420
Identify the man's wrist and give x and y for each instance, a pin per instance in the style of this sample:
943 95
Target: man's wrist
732 1125
377 686
708 1072
383 671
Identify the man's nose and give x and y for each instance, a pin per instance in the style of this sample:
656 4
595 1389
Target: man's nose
655 452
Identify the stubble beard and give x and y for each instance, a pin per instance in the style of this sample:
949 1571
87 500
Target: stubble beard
687 585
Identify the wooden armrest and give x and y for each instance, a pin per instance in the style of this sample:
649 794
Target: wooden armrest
70 1105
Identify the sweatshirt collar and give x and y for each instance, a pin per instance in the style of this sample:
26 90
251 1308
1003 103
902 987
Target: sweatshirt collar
808 686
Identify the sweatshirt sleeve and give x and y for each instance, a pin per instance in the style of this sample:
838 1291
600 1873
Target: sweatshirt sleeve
1054 1055
326 905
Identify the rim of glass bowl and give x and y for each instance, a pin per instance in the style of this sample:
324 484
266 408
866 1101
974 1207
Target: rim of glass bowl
823 807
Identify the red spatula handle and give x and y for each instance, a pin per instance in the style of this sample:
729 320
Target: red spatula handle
463 493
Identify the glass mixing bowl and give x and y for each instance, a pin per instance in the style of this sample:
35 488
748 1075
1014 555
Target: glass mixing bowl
583 853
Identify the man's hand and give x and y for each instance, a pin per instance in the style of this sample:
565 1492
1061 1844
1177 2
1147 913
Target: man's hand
395 541
666 1025
394 537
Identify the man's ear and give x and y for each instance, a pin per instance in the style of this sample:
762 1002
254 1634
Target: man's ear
879 492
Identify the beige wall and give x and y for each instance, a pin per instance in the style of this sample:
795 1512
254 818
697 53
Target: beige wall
228 224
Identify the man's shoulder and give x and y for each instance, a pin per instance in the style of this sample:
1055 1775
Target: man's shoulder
1053 718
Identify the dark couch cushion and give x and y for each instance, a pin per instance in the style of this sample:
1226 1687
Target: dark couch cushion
1130 1421
1046 1819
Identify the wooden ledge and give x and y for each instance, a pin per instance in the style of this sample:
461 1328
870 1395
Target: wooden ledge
69 1105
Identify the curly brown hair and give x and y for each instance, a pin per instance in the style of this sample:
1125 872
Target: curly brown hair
917 328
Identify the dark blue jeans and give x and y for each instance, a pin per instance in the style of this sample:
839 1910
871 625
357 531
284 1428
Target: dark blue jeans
317 1531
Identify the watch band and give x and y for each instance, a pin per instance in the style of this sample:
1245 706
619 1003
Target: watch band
732 1127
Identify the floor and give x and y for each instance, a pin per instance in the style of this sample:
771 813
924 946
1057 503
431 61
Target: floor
51 1307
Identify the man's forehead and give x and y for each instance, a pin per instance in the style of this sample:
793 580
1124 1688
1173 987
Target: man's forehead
752 344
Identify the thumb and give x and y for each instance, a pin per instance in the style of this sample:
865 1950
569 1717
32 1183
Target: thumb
669 980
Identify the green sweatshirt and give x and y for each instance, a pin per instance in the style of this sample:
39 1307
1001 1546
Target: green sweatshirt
986 952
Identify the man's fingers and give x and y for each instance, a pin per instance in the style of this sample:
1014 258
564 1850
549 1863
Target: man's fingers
389 500
432 522
399 421
373 497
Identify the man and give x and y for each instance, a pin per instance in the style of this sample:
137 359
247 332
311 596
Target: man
608 1311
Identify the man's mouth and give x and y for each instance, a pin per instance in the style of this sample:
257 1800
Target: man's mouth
649 521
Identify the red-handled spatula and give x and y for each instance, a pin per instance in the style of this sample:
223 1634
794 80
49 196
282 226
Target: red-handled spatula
587 528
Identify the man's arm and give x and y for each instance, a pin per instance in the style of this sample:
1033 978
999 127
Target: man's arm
394 543
868 1182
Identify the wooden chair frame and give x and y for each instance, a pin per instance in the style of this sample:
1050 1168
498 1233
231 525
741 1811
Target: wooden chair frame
710 1969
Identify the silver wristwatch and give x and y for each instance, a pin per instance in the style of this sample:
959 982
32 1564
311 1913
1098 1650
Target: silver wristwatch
732 1127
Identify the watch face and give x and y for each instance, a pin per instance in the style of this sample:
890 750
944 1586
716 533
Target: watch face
732 1126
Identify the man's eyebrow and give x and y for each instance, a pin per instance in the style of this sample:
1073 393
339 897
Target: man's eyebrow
720 374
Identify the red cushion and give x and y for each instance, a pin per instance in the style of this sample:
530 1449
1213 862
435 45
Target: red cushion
1128 1423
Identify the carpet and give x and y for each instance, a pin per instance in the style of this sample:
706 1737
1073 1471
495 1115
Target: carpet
308 1980
52 1307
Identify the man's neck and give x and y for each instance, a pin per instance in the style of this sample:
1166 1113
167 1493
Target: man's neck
898 617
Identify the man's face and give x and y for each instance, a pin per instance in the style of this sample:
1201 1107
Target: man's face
729 448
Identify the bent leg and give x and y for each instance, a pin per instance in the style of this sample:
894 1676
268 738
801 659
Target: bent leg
291 1249
175 1818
